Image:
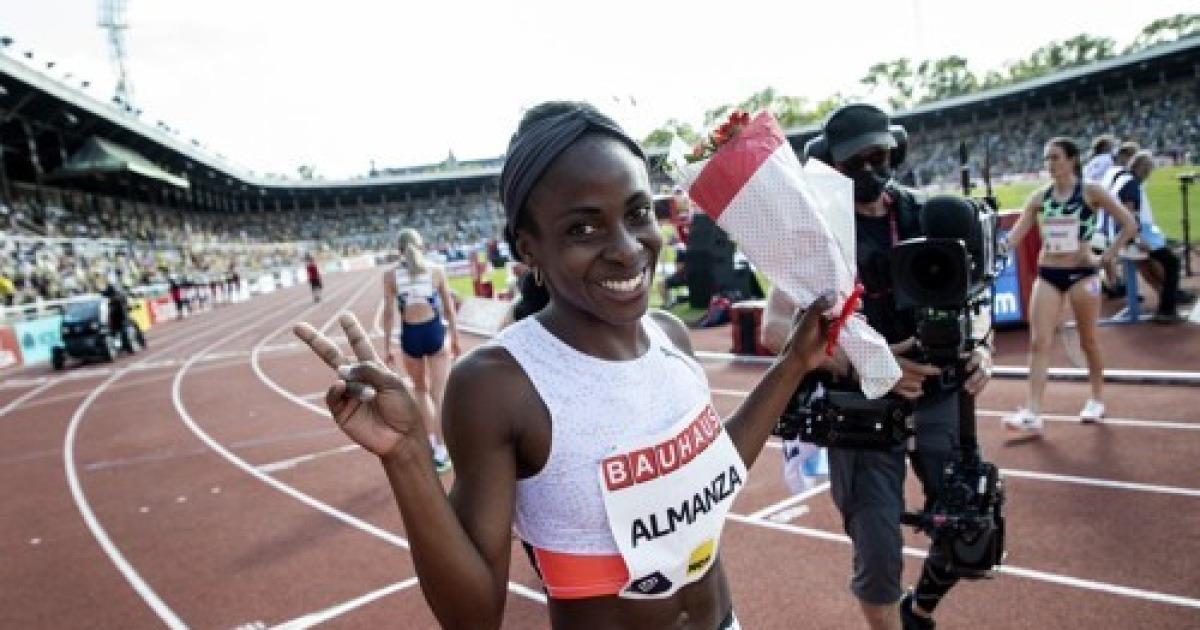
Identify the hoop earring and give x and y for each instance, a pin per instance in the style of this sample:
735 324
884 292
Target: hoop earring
537 276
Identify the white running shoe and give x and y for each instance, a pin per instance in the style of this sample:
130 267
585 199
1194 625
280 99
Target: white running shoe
1093 411
1024 420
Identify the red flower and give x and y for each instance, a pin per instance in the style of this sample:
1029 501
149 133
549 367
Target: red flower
727 131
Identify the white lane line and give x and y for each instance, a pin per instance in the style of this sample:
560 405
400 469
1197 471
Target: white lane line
70 466
291 463
17 383
790 501
790 514
377 324
999 370
312 619
139 585
20 400
1102 483
1033 574
1125 422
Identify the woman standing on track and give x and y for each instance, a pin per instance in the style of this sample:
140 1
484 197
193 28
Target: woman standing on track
1066 213
417 289
586 426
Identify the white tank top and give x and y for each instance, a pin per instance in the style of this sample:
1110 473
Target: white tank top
594 405
410 287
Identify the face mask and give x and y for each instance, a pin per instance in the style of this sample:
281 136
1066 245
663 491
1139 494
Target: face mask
869 185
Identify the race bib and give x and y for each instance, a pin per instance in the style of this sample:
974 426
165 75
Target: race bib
1061 234
666 497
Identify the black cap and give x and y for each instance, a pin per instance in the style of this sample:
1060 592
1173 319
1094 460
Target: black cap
853 128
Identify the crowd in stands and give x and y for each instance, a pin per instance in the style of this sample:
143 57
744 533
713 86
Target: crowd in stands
1164 120
75 243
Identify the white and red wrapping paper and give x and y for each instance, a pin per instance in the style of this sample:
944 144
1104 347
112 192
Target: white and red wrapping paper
796 224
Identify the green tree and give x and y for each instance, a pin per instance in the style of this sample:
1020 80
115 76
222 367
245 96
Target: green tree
661 137
945 78
894 80
1166 30
1084 49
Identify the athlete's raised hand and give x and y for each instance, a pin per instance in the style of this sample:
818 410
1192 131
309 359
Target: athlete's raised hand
810 333
369 401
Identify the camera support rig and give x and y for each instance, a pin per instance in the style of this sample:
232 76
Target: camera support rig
965 517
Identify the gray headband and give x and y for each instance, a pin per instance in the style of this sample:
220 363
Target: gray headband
534 148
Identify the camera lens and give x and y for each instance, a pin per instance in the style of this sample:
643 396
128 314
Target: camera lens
934 270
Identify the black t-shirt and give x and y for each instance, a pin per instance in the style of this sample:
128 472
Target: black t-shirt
875 239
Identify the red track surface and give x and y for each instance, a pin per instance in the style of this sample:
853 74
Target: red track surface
201 484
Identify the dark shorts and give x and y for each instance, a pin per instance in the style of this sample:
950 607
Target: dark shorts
314 283
423 339
868 490
1063 278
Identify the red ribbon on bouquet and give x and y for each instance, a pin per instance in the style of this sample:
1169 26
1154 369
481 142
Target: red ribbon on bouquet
848 309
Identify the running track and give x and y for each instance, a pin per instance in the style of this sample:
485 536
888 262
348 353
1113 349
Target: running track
201 484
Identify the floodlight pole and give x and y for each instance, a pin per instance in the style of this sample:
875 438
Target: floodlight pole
112 20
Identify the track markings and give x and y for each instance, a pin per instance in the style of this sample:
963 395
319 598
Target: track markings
310 620
294 461
1033 574
1101 483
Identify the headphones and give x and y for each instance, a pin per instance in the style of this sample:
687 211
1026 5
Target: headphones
818 147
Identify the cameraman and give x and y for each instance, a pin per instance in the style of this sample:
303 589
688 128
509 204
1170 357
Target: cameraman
868 485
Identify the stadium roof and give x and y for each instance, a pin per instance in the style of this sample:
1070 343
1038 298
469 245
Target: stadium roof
48 103
99 156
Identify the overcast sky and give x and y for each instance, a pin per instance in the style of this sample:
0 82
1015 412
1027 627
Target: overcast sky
273 84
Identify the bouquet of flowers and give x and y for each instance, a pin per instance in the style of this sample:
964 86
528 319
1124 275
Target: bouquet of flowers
795 223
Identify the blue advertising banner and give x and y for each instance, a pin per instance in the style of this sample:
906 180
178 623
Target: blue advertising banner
1007 305
37 337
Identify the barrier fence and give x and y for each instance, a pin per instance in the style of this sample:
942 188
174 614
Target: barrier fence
30 332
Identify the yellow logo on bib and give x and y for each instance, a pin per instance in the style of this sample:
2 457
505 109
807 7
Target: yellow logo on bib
700 557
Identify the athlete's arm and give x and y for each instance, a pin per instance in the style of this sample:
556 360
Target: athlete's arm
389 315
443 287
461 547
1027 219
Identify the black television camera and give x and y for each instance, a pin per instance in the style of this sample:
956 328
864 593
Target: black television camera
945 278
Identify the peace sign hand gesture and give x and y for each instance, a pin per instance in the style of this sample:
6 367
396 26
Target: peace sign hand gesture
369 401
